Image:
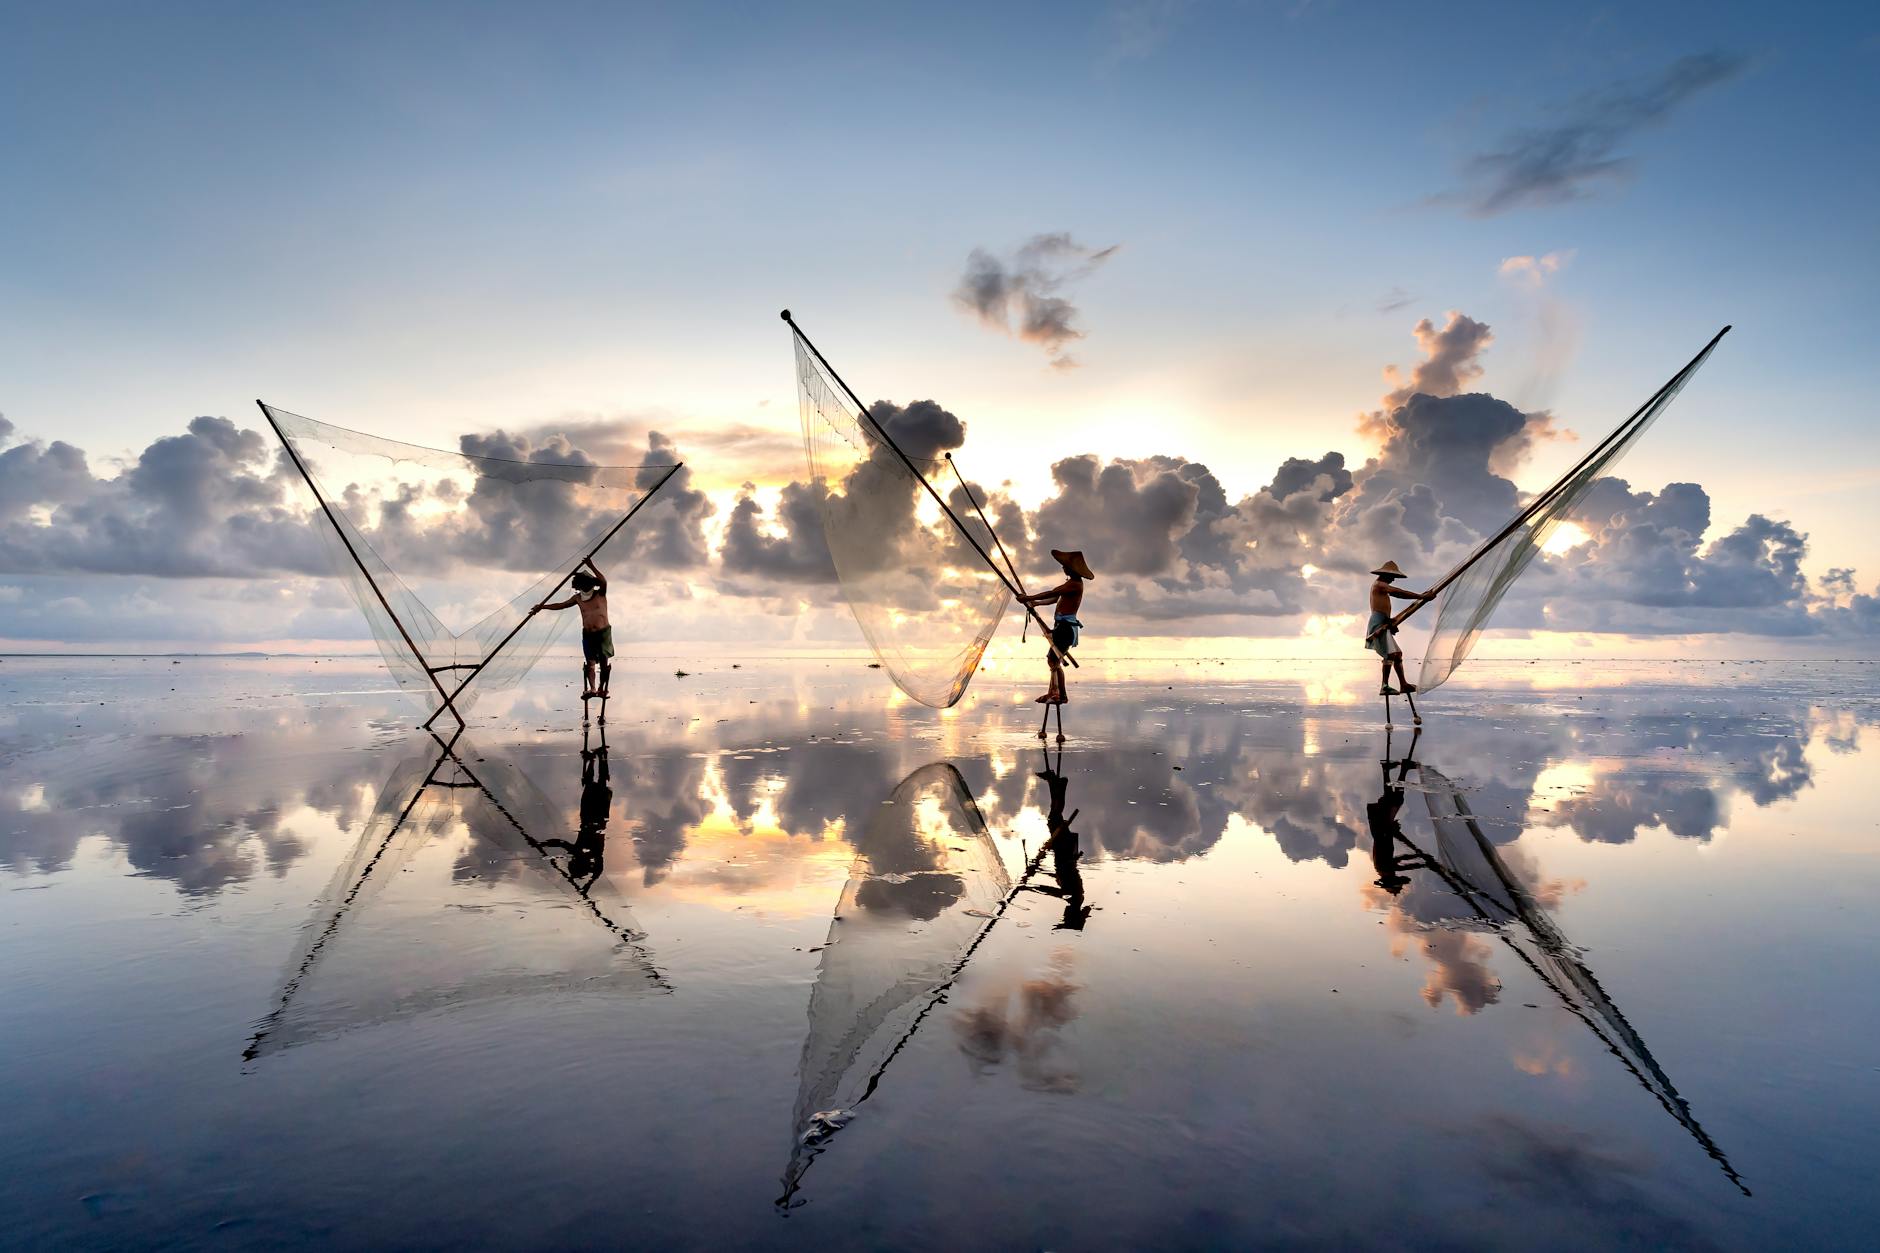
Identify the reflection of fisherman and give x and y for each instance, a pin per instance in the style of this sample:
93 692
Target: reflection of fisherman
1386 830
597 805
1065 852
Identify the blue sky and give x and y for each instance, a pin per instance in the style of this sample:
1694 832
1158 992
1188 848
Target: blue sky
439 218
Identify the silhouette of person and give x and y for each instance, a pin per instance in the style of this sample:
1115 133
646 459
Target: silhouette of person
586 852
1065 849
1066 628
1386 830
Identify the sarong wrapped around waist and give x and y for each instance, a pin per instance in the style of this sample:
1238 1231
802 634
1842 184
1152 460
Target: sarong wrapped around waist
1384 643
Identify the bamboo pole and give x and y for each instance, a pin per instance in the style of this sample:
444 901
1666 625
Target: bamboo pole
938 499
1542 500
515 630
430 673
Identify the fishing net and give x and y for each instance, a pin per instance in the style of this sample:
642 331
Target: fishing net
926 883
1472 596
1503 901
926 601
445 552
451 898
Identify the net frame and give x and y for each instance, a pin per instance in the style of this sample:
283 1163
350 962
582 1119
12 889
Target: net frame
844 442
1471 592
498 650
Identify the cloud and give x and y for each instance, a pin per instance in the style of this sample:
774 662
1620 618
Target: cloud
1578 153
1020 296
1175 554
1532 272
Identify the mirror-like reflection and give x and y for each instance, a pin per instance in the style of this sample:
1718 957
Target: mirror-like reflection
384 943
1217 944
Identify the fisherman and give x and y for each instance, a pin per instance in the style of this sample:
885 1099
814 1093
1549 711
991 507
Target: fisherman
597 636
1385 640
1065 627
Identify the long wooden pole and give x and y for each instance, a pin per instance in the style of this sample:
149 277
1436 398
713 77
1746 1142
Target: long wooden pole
513 631
370 581
1542 500
938 499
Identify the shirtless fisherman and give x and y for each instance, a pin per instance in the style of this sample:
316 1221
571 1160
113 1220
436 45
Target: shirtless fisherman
1385 641
597 637
1065 627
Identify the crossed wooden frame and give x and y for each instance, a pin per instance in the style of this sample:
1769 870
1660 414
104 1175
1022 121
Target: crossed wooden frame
448 698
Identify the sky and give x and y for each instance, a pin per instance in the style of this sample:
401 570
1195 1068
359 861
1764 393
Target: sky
1184 241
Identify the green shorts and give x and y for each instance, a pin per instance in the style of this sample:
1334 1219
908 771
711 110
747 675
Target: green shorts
597 646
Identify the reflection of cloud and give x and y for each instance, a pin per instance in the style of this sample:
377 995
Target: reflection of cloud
1546 1165
1025 1023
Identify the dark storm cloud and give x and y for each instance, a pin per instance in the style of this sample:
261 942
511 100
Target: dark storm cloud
1572 157
1020 296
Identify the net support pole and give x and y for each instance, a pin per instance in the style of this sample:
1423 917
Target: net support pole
1541 501
931 490
517 629
417 652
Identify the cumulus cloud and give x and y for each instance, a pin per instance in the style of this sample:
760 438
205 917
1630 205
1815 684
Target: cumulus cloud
1021 296
1175 553
1580 151
1530 271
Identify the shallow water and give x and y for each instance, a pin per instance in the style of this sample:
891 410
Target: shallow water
278 970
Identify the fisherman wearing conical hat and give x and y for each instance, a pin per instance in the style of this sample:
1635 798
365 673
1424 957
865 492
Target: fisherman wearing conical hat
1065 628
1385 640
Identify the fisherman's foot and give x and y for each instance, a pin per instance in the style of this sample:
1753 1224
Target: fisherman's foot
1409 688
1388 691
1060 738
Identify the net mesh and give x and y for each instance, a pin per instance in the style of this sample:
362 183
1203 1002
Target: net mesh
1466 605
464 529
926 601
927 880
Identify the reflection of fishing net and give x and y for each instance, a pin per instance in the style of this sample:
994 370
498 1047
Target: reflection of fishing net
925 884
449 900
926 601
446 520
1479 873
1468 602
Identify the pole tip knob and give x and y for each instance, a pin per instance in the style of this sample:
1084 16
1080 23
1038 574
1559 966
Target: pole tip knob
785 315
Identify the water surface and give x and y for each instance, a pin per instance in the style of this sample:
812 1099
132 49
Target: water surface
782 959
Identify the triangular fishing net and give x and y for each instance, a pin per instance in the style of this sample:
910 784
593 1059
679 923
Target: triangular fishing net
445 552
1472 867
451 899
925 884
1468 602
926 601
